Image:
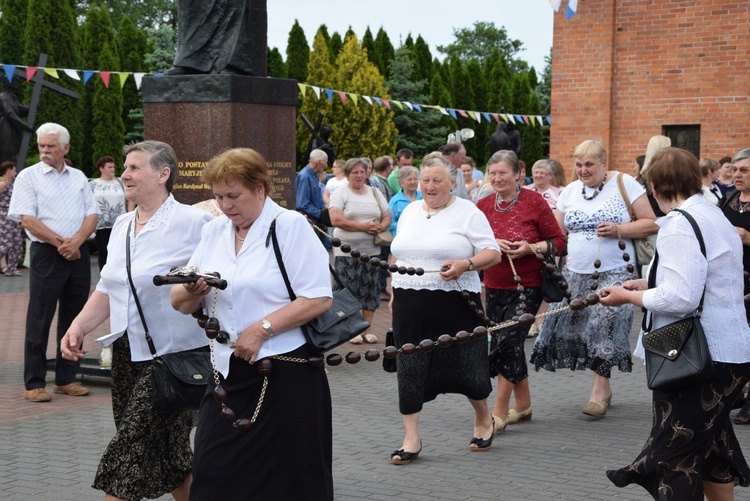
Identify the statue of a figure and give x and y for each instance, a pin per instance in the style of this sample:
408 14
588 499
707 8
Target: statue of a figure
505 137
12 126
221 36
322 141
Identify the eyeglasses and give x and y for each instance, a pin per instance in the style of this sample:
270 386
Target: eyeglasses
743 169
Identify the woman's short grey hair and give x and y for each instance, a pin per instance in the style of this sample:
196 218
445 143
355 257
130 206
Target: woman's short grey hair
352 163
158 155
439 161
509 157
542 164
406 171
741 155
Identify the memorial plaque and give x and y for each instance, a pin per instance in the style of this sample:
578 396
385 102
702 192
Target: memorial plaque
203 115
687 137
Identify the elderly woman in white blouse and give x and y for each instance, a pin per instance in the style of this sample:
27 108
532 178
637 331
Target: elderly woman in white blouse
445 233
150 454
692 449
287 452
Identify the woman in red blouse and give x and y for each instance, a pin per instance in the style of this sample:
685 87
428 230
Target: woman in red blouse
522 223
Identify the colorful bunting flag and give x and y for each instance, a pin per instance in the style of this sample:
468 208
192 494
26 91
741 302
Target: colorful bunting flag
368 99
105 77
86 75
9 69
138 78
570 11
51 72
555 4
302 88
316 90
30 71
72 74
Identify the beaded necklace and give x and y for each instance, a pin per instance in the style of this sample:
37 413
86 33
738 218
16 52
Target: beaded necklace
596 190
138 220
498 201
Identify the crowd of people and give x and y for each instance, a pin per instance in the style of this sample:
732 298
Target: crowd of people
479 236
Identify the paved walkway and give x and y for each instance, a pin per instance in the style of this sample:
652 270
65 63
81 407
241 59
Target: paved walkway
51 451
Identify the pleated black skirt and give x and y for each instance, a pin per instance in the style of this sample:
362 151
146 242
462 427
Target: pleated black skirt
459 368
286 455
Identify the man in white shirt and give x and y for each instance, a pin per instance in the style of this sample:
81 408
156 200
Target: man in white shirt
56 207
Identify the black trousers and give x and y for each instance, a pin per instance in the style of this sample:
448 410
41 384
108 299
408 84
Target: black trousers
53 280
102 240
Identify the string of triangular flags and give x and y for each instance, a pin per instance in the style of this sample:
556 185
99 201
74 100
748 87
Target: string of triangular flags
85 76
570 9
390 104
75 74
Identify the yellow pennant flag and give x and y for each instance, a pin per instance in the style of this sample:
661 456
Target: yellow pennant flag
51 72
123 76
398 103
353 98
302 88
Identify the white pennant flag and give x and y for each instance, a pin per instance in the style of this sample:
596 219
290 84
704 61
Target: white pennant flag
72 74
138 77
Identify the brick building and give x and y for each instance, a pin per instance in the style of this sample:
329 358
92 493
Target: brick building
625 70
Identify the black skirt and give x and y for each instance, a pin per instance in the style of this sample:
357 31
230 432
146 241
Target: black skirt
507 354
459 368
286 455
691 440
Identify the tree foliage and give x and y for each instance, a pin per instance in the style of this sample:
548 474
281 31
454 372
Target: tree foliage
107 130
147 14
363 130
334 47
12 27
58 41
420 132
384 53
276 65
132 45
479 41
98 33
161 48
297 53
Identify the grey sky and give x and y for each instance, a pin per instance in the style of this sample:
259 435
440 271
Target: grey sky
529 21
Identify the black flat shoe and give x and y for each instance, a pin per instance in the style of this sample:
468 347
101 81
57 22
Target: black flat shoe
406 457
482 444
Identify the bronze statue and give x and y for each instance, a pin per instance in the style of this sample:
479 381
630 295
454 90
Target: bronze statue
215 36
12 126
505 137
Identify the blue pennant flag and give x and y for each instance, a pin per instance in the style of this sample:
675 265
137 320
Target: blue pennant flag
453 113
9 70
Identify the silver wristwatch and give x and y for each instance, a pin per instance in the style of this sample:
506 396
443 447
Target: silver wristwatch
267 327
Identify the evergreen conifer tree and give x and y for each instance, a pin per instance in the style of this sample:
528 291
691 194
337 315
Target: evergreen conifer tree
385 53
107 130
334 47
58 40
97 32
12 30
276 65
297 53
420 132
132 45
365 130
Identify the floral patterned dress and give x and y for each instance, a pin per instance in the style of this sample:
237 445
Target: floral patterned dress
11 236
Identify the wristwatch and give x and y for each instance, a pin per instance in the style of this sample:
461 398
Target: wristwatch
471 264
267 327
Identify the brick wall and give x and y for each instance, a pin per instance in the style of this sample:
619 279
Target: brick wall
623 69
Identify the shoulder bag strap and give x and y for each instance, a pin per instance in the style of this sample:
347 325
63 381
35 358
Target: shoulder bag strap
282 268
726 199
652 270
135 294
624 195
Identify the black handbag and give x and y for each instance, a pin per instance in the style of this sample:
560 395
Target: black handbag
677 354
180 379
325 217
389 364
552 291
340 323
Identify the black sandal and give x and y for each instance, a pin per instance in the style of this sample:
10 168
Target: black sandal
406 457
482 444
743 417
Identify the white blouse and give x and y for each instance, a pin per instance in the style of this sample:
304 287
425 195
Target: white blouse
167 240
682 271
256 288
583 216
459 231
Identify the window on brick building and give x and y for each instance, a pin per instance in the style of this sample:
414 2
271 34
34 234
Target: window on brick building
687 137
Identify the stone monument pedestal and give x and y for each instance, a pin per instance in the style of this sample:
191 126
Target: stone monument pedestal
203 115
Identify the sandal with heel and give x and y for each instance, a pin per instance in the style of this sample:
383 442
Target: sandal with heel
405 457
483 444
